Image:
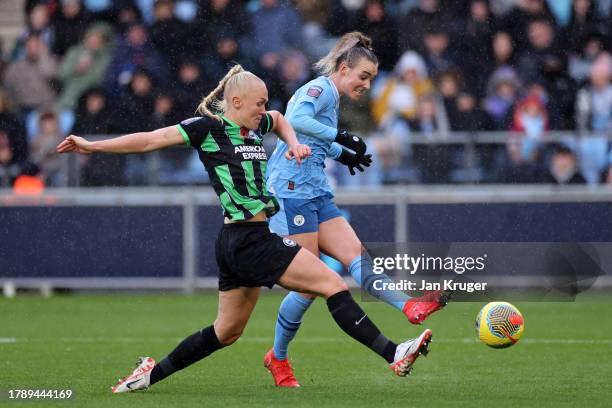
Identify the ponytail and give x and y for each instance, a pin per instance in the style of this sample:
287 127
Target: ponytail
350 48
214 105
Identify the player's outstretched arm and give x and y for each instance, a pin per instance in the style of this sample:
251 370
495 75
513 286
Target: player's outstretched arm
285 131
142 142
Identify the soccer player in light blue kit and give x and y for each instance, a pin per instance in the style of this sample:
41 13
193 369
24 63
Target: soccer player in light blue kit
308 214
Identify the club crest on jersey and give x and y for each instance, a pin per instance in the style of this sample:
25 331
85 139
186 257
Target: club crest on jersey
314 91
289 242
248 134
299 220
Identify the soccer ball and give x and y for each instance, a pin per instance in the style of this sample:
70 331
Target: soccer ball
499 324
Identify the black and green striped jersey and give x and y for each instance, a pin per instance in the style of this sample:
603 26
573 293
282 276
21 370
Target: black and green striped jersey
236 162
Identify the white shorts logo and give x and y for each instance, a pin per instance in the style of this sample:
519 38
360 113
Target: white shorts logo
299 220
289 242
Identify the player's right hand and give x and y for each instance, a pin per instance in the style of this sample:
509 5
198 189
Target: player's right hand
297 152
76 144
353 142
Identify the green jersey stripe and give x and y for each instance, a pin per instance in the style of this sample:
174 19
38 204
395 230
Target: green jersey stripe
249 174
227 203
210 144
253 206
184 134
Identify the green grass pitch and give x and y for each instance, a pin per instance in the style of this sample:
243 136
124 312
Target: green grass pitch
85 343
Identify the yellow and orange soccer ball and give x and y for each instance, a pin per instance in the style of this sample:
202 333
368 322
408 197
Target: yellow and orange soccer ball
499 324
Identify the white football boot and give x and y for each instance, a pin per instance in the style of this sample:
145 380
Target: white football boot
408 351
140 379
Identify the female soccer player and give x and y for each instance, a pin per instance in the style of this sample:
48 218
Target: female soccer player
307 213
229 144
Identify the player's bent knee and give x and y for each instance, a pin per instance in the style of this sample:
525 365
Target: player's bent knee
229 337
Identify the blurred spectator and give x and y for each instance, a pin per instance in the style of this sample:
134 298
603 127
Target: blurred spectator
475 45
190 88
396 97
502 93
467 116
530 117
133 52
169 35
27 79
343 16
85 64
594 101
164 111
227 53
42 149
515 166
274 28
561 10
545 63
376 24
580 63
594 113
503 58
541 53
292 72
516 22
134 108
92 113
11 167
93 117
69 25
125 14
225 18
563 168
449 84
313 12
439 55
13 128
584 21
433 160
38 23
428 15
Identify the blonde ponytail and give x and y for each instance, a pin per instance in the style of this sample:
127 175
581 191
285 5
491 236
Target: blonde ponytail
214 105
350 48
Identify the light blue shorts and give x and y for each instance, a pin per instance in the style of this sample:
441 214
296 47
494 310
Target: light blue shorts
299 216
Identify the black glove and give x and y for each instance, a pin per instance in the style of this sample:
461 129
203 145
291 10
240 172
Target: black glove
353 142
354 161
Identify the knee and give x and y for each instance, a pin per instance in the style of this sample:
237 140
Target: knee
228 334
335 285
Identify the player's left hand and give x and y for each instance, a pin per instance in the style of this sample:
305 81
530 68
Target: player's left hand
297 152
354 161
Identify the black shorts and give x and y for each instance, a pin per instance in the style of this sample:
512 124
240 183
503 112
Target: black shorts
248 254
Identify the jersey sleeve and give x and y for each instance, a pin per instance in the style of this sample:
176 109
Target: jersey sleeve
266 124
308 104
334 150
194 130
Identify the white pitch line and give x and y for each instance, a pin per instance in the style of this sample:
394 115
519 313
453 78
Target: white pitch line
464 340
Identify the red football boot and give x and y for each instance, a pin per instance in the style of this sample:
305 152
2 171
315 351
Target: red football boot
281 370
417 309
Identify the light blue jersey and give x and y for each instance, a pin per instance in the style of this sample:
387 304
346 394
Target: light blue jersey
313 113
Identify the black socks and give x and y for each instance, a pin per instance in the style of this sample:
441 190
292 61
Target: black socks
194 348
352 319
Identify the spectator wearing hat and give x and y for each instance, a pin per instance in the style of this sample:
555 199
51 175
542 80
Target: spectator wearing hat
85 64
396 97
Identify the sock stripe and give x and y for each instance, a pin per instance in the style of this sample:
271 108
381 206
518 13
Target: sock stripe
288 322
287 325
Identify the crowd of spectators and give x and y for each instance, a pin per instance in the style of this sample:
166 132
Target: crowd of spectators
523 67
